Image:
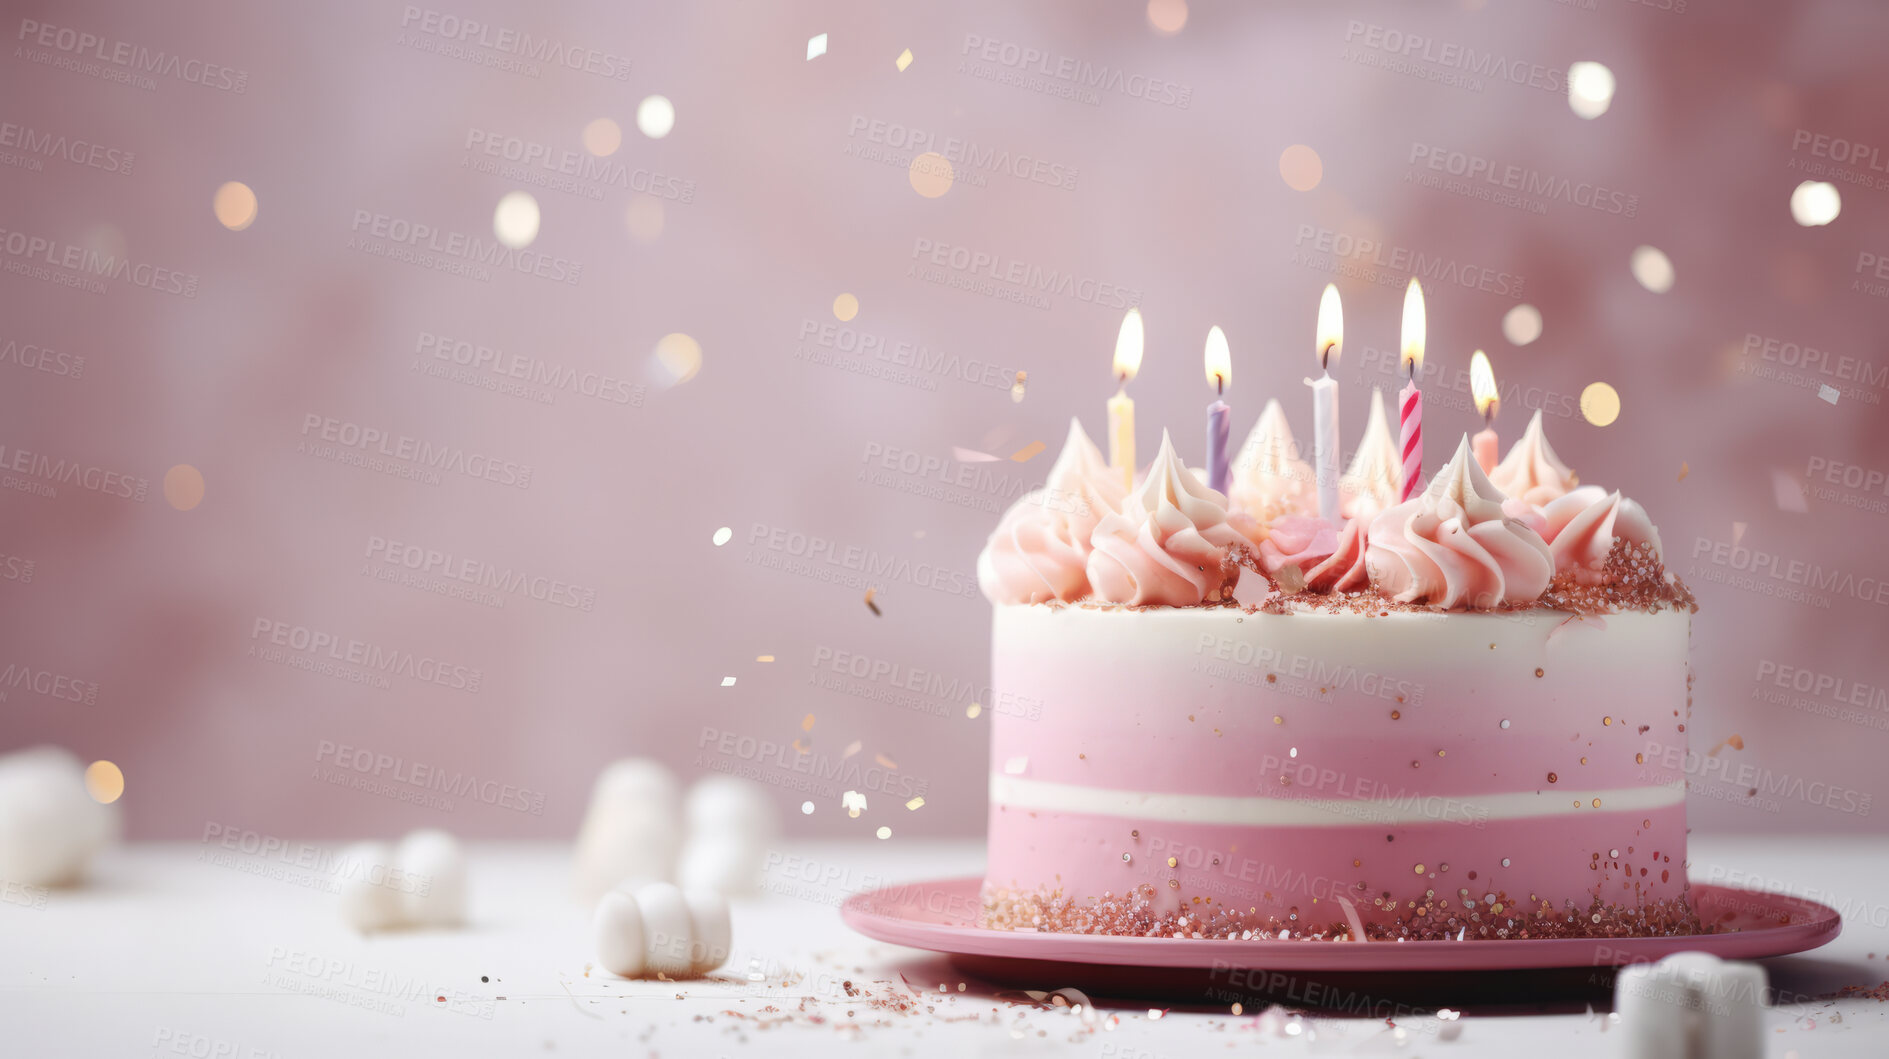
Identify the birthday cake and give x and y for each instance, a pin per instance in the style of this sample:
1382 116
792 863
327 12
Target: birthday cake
1456 714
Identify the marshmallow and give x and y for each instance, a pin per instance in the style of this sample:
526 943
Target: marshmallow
630 833
731 823
1691 1005
50 826
660 930
422 883
370 898
435 866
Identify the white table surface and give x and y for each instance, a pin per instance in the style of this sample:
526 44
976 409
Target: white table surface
169 953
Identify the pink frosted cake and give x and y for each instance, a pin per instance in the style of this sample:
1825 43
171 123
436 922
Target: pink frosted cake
1430 721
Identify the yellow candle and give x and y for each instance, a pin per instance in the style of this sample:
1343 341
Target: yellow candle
1121 410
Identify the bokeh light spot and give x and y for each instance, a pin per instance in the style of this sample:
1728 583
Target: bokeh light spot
1815 203
655 115
1600 403
1167 16
1653 269
602 137
1522 324
1301 167
723 536
515 221
235 206
806 808
678 358
845 307
931 174
884 832
644 217
104 781
904 60
183 487
1590 89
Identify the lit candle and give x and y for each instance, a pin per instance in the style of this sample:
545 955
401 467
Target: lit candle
1410 399
1219 373
1331 339
1121 410
1482 389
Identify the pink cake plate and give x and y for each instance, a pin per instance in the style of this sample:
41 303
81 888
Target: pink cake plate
940 915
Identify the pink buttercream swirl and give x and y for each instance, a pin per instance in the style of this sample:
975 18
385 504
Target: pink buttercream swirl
1531 472
1453 546
1583 526
1040 549
1331 559
1169 544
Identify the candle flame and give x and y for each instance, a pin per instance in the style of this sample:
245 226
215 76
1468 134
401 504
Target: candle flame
1219 359
1414 324
1128 346
1331 327
1482 384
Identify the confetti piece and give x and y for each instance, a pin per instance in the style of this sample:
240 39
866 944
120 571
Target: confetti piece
915 804
763 658
853 802
886 762
851 749
806 723
802 746
1016 765
885 833
723 536
1788 492
870 605
1016 388
971 456
816 47
1829 393
1684 469
728 682
973 710
904 60
1023 454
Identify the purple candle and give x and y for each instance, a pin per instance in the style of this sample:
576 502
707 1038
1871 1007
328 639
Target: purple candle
1219 372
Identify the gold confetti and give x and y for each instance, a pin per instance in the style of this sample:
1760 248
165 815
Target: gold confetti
973 710
806 723
763 658
915 804
874 607
904 60
1684 469
1016 388
885 833
802 746
1023 454
886 762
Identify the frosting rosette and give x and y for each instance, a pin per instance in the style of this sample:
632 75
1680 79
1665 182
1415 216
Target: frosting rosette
1583 526
1269 479
1040 549
1531 472
1455 547
1170 543
1370 484
1329 558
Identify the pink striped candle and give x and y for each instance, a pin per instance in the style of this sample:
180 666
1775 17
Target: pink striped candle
1410 399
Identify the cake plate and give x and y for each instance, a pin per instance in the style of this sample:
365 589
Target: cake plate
940 915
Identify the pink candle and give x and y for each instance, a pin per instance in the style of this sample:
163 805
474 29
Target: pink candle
1410 399
1483 445
1483 391
1410 435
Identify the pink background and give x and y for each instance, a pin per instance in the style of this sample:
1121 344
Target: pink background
1182 206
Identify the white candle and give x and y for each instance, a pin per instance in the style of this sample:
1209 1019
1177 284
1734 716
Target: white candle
1121 410
1331 338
